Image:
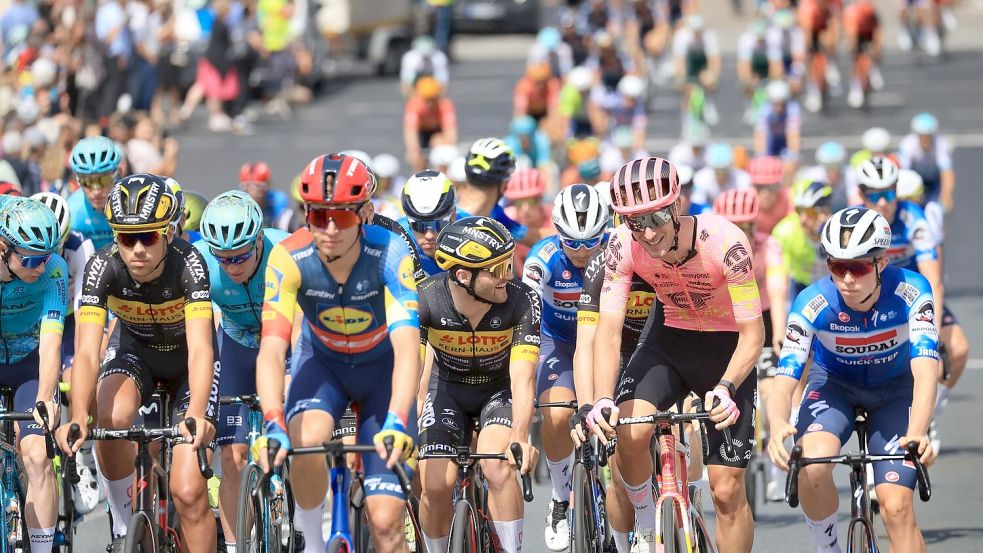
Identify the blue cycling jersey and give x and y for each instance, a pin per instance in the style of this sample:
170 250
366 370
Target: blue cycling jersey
89 221
539 151
558 283
912 240
426 262
776 125
498 213
274 207
241 304
30 309
867 349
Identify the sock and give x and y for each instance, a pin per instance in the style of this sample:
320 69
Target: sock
621 541
641 498
41 539
229 547
309 521
560 477
509 535
941 399
435 545
118 496
824 534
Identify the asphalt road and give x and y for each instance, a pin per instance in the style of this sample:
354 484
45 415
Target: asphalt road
364 112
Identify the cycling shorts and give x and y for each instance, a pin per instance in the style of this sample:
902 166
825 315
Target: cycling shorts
673 362
948 317
321 384
555 367
828 406
22 378
451 411
239 363
151 369
68 342
425 137
768 360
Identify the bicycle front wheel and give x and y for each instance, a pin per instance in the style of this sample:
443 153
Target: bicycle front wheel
250 535
338 545
141 536
464 529
584 530
672 541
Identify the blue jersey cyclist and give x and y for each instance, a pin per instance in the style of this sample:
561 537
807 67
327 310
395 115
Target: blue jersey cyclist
428 203
95 161
555 270
359 343
33 299
236 247
254 179
871 330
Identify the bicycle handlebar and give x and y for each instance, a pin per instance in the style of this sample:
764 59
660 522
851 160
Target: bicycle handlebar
146 435
338 448
466 456
49 442
251 400
675 418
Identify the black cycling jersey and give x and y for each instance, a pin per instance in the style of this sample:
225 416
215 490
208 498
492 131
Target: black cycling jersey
153 313
641 298
508 332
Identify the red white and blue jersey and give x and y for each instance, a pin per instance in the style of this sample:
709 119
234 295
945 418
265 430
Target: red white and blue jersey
558 282
912 239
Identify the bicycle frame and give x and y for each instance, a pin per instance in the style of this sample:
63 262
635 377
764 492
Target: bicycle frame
341 488
11 523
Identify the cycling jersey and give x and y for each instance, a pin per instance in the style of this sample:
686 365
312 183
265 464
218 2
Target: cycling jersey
707 186
538 152
76 251
90 222
517 230
641 298
801 257
696 48
786 46
427 264
558 283
712 290
465 354
30 309
866 349
276 210
533 99
241 304
912 239
397 228
777 125
347 322
752 49
929 164
860 20
152 314
573 106
423 116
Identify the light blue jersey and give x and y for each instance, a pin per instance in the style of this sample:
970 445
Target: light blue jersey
90 222
28 310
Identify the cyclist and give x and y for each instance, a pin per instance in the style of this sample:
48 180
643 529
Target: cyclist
536 93
696 55
778 131
236 247
871 330
914 246
819 22
832 169
929 154
423 59
33 301
874 141
863 32
718 176
95 161
573 103
194 206
702 271
354 284
482 330
752 65
530 145
786 49
554 269
584 165
389 184
550 48
524 193
767 176
623 106
429 118
157 286
798 237
254 179
617 151
428 201
686 203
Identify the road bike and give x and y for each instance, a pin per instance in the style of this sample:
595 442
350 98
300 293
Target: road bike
13 528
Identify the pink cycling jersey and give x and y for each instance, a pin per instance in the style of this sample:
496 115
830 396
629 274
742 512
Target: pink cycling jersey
711 292
767 253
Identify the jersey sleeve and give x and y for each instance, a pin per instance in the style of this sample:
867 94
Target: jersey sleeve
738 269
799 333
76 269
590 294
197 288
618 268
55 297
95 289
535 270
280 299
943 157
922 238
525 335
401 295
923 335
392 225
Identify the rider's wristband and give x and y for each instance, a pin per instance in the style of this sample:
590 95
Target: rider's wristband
275 416
731 389
394 422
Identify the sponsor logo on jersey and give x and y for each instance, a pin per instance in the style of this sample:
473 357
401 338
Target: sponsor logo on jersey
315 293
97 266
345 320
639 304
566 284
304 253
907 292
197 268
738 259
566 275
883 341
814 308
467 344
926 312
843 317
274 278
794 332
844 328
548 251
566 300
535 272
405 273
141 313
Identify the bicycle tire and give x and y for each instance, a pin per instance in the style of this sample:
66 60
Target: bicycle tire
464 529
361 534
671 540
584 539
338 545
141 535
862 541
68 516
250 537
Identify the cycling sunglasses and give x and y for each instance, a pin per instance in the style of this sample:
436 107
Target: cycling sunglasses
97 181
856 268
234 259
874 196
502 269
148 238
33 261
435 225
320 217
654 220
586 243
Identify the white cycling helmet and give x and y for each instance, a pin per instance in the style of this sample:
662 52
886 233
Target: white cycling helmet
778 91
443 154
877 173
910 185
385 166
631 86
876 140
59 206
604 191
579 212
685 174
581 78
870 234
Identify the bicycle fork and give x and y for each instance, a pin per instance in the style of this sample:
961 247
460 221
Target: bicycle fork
341 485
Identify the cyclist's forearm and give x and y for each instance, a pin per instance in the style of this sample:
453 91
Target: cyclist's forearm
583 376
751 339
200 376
607 351
779 405
523 377
49 366
270 369
926 374
406 370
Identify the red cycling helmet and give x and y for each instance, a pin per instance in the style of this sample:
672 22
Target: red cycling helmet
737 206
765 171
525 183
336 179
644 185
254 172
9 188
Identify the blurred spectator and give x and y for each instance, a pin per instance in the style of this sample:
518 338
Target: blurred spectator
117 43
150 151
274 18
217 80
145 27
13 154
442 13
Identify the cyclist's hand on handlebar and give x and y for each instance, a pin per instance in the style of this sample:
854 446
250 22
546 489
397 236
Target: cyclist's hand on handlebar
926 454
779 431
598 424
204 431
529 456
53 416
274 431
577 424
402 442
725 413
61 436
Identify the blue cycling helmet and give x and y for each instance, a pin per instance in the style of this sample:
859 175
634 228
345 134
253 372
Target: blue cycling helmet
720 156
590 169
549 38
924 123
230 221
29 224
93 155
523 125
830 153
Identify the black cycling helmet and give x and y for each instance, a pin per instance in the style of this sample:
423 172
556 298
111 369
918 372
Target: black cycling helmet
475 244
428 196
141 202
490 162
